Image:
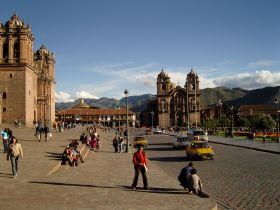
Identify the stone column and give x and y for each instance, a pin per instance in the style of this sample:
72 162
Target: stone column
1 51
23 49
11 49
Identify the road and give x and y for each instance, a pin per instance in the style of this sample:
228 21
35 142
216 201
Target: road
237 178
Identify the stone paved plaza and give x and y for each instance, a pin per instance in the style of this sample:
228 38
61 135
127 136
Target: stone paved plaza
102 182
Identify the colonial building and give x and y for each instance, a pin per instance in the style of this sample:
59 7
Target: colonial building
83 113
27 85
178 106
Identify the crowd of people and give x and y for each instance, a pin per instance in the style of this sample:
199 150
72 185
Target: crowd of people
71 154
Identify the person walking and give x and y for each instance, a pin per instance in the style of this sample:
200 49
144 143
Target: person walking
5 137
14 152
140 165
46 131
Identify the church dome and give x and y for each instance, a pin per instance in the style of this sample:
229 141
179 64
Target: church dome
15 22
162 74
192 72
82 104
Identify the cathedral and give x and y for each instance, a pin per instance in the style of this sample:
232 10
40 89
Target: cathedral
27 83
178 106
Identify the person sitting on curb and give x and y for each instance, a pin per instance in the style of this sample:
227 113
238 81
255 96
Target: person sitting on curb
195 185
185 176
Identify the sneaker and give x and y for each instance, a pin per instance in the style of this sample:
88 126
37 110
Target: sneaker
147 188
133 188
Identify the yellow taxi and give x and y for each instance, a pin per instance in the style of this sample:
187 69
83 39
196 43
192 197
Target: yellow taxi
140 140
199 150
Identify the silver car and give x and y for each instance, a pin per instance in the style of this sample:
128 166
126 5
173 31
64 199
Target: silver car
180 142
197 134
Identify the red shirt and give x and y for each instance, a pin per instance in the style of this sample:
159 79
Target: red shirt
139 157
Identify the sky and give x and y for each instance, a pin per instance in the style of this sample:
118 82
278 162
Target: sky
103 47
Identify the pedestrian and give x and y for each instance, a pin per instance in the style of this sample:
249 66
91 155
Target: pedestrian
195 184
5 137
14 151
185 175
46 131
140 165
120 144
115 144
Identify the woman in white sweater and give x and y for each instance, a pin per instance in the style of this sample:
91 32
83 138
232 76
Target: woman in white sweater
14 151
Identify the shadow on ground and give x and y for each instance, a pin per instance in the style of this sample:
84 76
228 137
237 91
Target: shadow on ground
169 159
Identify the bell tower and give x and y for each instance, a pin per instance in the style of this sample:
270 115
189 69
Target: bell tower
193 99
163 99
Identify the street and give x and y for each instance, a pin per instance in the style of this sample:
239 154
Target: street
237 178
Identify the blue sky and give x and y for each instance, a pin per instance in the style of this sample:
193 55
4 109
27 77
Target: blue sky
103 47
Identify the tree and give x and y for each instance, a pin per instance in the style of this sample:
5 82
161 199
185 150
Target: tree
262 122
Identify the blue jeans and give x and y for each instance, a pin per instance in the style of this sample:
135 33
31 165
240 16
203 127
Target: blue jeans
5 145
15 163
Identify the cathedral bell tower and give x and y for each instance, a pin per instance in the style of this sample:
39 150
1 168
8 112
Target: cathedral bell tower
193 99
163 99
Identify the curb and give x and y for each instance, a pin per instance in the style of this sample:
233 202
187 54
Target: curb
247 147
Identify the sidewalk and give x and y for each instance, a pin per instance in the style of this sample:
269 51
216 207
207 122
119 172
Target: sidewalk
102 182
268 146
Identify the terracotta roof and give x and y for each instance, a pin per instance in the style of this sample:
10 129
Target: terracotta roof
246 110
90 111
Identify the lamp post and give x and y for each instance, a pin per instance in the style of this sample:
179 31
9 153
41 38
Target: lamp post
152 115
127 142
220 104
277 118
163 110
1 107
202 112
119 124
231 108
10 109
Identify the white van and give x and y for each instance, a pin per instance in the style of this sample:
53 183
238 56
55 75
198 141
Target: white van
197 134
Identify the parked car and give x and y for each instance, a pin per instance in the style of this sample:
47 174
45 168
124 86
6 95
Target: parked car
180 141
159 131
140 140
197 134
199 150
149 131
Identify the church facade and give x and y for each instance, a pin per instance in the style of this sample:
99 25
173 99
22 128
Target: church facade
27 81
176 105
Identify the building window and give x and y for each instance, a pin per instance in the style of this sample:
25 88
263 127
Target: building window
4 95
193 86
4 109
163 87
11 76
16 50
5 50
29 92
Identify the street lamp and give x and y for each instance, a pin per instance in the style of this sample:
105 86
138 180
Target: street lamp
231 108
152 115
127 142
277 119
119 125
10 109
220 104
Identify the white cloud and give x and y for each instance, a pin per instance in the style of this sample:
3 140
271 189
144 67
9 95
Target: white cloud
262 63
63 97
258 79
85 94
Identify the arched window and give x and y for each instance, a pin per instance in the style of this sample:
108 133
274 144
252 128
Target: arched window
164 87
5 50
16 50
193 86
4 95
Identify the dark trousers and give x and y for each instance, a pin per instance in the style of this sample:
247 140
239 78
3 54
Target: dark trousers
144 176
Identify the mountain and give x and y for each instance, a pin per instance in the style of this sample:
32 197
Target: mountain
135 103
212 95
209 96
